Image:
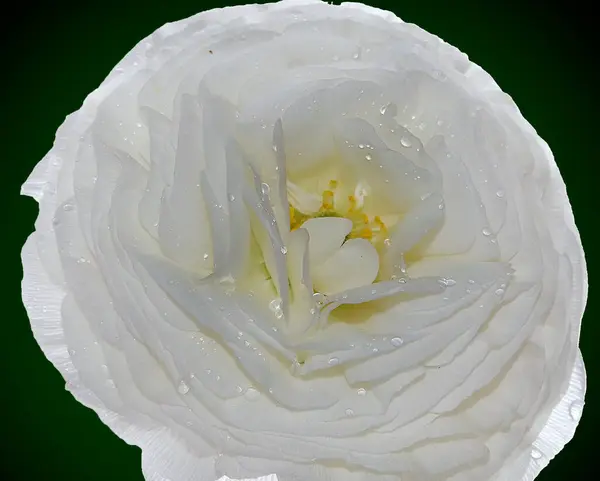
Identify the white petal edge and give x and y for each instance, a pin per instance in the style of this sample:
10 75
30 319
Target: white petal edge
271 477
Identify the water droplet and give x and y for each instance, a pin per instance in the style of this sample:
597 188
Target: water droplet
284 250
319 298
439 75
265 188
231 197
368 157
183 388
499 292
441 206
361 391
387 242
486 232
274 148
275 304
576 410
447 281
440 123
349 412
68 207
251 394
405 142
355 56
500 193
373 291
361 146
536 453
334 361
205 256
397 341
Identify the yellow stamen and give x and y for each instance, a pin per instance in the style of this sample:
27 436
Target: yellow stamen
327 201
365 233
352 201
381 227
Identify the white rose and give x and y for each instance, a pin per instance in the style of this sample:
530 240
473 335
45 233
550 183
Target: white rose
311 241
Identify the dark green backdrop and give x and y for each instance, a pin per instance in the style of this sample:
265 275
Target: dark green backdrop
54 56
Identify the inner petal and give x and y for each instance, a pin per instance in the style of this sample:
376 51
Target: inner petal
354 264
326 235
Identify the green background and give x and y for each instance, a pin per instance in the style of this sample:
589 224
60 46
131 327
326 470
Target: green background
54 56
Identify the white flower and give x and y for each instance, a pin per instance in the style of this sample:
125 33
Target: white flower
310 241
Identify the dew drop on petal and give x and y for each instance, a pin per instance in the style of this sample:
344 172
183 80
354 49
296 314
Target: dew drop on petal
265 189
576 410
361 391
252 394
368 157
319 298
500 193
349 412
536 453
284 250
334 361
183 388
486 232
499 292
397 341
405 142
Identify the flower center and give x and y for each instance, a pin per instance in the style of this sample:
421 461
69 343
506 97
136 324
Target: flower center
337 202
